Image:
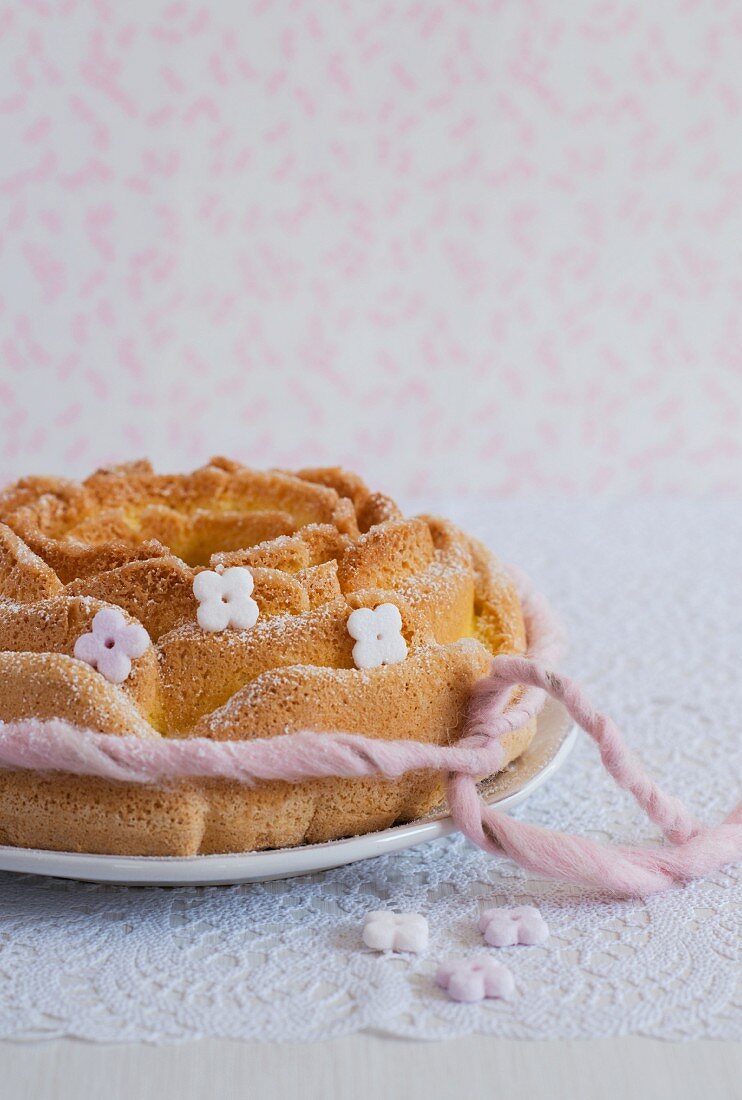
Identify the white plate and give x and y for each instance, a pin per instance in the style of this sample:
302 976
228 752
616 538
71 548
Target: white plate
548 751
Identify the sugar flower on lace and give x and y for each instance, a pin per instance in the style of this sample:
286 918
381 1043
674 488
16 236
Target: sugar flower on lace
111 644
507 927
378 635
225 599
471 980
384 931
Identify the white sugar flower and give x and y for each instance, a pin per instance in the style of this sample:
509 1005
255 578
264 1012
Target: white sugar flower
225 599
378 635
111 644
385 931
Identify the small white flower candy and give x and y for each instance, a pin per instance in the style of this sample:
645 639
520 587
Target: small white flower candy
111 644
385 931
225 599
378 635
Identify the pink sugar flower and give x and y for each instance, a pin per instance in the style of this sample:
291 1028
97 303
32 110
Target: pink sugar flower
111 644
508 927
470 980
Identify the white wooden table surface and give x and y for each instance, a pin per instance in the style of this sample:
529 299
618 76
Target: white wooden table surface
366 1066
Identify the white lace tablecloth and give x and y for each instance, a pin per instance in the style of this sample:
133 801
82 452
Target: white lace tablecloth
651 593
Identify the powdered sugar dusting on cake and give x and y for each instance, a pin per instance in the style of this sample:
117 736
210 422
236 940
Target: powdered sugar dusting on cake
423 567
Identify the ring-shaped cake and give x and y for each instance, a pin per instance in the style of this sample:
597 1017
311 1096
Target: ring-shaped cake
319 606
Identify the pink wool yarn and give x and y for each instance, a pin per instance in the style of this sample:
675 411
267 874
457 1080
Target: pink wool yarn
57 745
692 850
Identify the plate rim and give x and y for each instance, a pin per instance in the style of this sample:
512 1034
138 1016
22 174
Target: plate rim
232 868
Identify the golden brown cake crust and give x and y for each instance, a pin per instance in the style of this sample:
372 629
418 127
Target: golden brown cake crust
319 545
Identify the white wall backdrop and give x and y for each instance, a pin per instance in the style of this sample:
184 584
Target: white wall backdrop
460 246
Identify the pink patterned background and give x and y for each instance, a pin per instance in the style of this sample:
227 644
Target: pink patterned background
460 246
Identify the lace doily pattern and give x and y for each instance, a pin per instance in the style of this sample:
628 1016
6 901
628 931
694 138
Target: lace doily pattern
647 592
